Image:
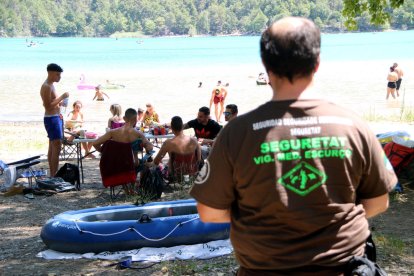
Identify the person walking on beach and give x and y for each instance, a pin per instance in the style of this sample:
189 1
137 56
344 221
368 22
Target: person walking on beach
99 94
218 95
392 78
298 176
400 73
53 120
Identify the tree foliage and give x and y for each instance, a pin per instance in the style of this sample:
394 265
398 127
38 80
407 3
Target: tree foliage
379 11
191 17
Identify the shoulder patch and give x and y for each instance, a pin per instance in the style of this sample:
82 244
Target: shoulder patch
203 174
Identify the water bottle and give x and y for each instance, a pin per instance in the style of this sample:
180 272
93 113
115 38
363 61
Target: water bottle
186 179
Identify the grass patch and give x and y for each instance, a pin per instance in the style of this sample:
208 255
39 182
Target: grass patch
398 197
179 268
214 266
405 114
390 244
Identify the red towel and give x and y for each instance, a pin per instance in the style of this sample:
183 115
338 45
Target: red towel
117 164
184 164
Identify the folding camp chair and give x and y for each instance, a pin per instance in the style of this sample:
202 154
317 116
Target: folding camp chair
69 148
117 167
10 172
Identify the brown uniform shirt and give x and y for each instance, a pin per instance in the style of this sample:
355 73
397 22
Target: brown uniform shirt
292 173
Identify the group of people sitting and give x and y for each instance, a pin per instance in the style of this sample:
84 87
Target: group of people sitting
186 153
144 118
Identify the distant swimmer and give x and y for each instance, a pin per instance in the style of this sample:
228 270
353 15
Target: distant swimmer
392 83
99 95
400 73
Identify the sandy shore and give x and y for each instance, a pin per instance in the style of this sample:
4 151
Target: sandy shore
360 86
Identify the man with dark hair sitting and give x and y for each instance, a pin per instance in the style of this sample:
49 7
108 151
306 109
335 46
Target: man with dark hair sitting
231 112
184 151
205 129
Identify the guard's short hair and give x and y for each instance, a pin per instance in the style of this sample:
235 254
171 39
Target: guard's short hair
233 108
291 53
204 110
176 123
130 113
53 67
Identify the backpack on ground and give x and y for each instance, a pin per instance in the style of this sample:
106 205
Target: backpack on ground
54 184
400 156
70 173
151 183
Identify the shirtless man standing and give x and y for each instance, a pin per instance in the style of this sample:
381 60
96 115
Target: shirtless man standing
400 73
52 119
392 83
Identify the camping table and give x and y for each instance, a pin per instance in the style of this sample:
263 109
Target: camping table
161 136
79 141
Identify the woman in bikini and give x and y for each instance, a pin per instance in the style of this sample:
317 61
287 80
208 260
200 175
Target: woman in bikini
392 83
74 124
116 120
218 95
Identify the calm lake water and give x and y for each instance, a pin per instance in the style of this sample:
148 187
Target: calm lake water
166 71
131 53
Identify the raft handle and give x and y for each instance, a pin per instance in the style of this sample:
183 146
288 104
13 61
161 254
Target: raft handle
145 218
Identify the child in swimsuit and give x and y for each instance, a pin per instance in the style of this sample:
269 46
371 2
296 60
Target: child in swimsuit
99 95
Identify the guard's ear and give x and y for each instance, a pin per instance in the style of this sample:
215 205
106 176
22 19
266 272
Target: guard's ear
317 64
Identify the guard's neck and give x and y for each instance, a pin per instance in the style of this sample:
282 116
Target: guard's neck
299 88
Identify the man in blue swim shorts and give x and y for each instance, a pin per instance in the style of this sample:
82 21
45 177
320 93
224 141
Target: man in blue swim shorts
52 119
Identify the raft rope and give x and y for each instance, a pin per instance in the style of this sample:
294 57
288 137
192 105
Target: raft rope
135 230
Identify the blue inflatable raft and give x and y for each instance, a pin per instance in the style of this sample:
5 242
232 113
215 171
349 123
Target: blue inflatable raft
126 227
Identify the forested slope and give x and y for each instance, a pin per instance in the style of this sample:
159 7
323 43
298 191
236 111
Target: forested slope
175 17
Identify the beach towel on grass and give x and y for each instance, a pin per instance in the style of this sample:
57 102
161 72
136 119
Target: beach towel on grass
182 252
117 164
